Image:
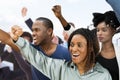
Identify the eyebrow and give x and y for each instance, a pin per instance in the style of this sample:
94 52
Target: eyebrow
81 43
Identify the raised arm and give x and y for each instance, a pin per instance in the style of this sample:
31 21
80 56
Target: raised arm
6 39
57 11
28 21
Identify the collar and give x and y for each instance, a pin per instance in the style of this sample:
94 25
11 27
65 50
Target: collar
97 68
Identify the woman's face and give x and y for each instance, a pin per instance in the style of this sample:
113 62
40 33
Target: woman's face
104 32
78 49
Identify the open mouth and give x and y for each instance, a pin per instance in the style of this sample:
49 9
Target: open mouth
75 55
34 39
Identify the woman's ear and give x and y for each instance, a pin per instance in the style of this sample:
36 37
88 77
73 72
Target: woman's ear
113 31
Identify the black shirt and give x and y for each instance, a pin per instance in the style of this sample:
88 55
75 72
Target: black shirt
111 65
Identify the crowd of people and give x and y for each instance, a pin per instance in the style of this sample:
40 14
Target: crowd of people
84 54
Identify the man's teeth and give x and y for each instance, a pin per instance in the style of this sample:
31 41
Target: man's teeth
34 39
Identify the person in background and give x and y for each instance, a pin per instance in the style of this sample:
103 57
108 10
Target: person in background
20 72
4 71
57 40
1 47
66 34
106 24
27 36
60 41
8 58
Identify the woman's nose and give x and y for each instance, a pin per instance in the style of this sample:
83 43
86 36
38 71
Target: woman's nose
74 48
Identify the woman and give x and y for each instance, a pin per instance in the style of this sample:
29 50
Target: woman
106 25
83 50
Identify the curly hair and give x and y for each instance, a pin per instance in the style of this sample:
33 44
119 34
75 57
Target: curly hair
92 45
108 17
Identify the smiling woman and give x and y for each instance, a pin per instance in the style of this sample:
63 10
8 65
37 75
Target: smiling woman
81 43
106 25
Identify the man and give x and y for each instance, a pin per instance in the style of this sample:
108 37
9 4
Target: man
42 32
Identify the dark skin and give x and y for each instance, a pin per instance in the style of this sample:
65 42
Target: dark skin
57 12
8 40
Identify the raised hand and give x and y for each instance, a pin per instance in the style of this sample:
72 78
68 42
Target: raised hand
57 10
16 32
24 11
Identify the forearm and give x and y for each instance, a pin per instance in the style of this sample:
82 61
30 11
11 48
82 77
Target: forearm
6 39
38 60
64 23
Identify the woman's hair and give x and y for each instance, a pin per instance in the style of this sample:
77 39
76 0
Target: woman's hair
92 45
108 17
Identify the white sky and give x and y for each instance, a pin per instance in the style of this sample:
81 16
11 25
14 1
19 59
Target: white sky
77 11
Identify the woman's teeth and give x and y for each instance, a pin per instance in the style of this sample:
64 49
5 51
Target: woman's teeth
75 55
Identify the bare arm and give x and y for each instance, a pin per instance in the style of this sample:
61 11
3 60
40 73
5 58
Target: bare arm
57 11
6 39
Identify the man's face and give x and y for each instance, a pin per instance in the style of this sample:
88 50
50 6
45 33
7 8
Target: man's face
39 32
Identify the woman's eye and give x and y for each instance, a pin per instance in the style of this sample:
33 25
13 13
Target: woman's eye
79 45
98 30
71 45
104 30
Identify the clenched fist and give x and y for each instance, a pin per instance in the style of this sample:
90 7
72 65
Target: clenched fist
16 32
57 10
